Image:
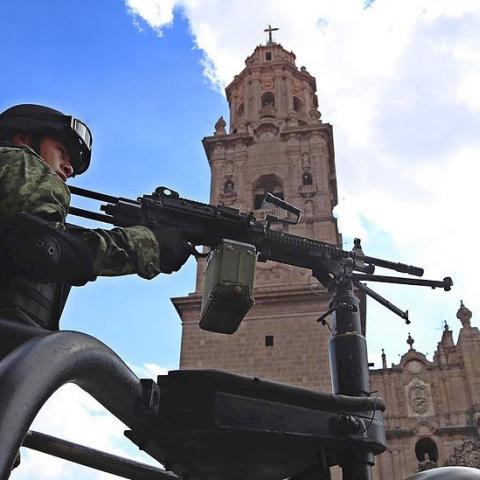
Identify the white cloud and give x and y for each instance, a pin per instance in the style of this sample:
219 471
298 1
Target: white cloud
74 415
399 82
157 13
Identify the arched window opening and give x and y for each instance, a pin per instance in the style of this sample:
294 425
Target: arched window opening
307 178
297 104
426 450
266 183
268 99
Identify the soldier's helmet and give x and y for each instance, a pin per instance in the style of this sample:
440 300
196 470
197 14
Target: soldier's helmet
72 132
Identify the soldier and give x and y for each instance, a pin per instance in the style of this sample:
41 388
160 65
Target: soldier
40 148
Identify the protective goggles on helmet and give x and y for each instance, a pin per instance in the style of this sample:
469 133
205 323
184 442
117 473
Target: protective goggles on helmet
81 144
44 120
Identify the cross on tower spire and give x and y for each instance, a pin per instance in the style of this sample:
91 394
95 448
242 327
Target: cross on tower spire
270 30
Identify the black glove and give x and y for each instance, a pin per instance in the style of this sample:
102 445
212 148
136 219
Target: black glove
44 253
174 250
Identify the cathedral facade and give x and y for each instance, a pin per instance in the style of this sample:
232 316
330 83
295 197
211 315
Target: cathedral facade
433 407
276 142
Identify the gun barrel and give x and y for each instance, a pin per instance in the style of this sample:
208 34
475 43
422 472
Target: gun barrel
100 217
102 197
398 267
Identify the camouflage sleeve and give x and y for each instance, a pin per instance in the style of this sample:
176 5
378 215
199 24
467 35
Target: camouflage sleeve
28 185
122 251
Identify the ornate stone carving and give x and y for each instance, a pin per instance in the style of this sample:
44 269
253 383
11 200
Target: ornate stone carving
467 454
315 116
419 398
267 84
414 366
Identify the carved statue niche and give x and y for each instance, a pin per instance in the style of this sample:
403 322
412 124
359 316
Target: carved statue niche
426 452
307 178
228 186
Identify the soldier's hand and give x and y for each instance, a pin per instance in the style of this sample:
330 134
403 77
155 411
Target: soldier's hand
174 250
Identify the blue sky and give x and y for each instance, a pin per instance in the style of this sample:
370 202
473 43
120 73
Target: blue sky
397 80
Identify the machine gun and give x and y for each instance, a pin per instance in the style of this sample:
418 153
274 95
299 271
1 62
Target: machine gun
236 427
203 224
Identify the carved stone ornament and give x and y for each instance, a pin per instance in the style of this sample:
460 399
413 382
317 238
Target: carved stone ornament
419 398
315 115
228 186
414 366
466 455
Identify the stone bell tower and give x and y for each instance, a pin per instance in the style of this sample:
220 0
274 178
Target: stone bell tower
276 142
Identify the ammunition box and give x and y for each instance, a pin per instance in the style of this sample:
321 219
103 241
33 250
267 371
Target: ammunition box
227 296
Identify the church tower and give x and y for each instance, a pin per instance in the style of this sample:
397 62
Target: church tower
276 142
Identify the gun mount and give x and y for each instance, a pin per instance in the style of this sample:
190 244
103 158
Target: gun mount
235 426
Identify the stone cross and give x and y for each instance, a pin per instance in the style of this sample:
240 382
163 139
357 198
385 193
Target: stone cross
270 30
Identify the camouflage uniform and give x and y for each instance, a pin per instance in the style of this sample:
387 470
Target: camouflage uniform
27 184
